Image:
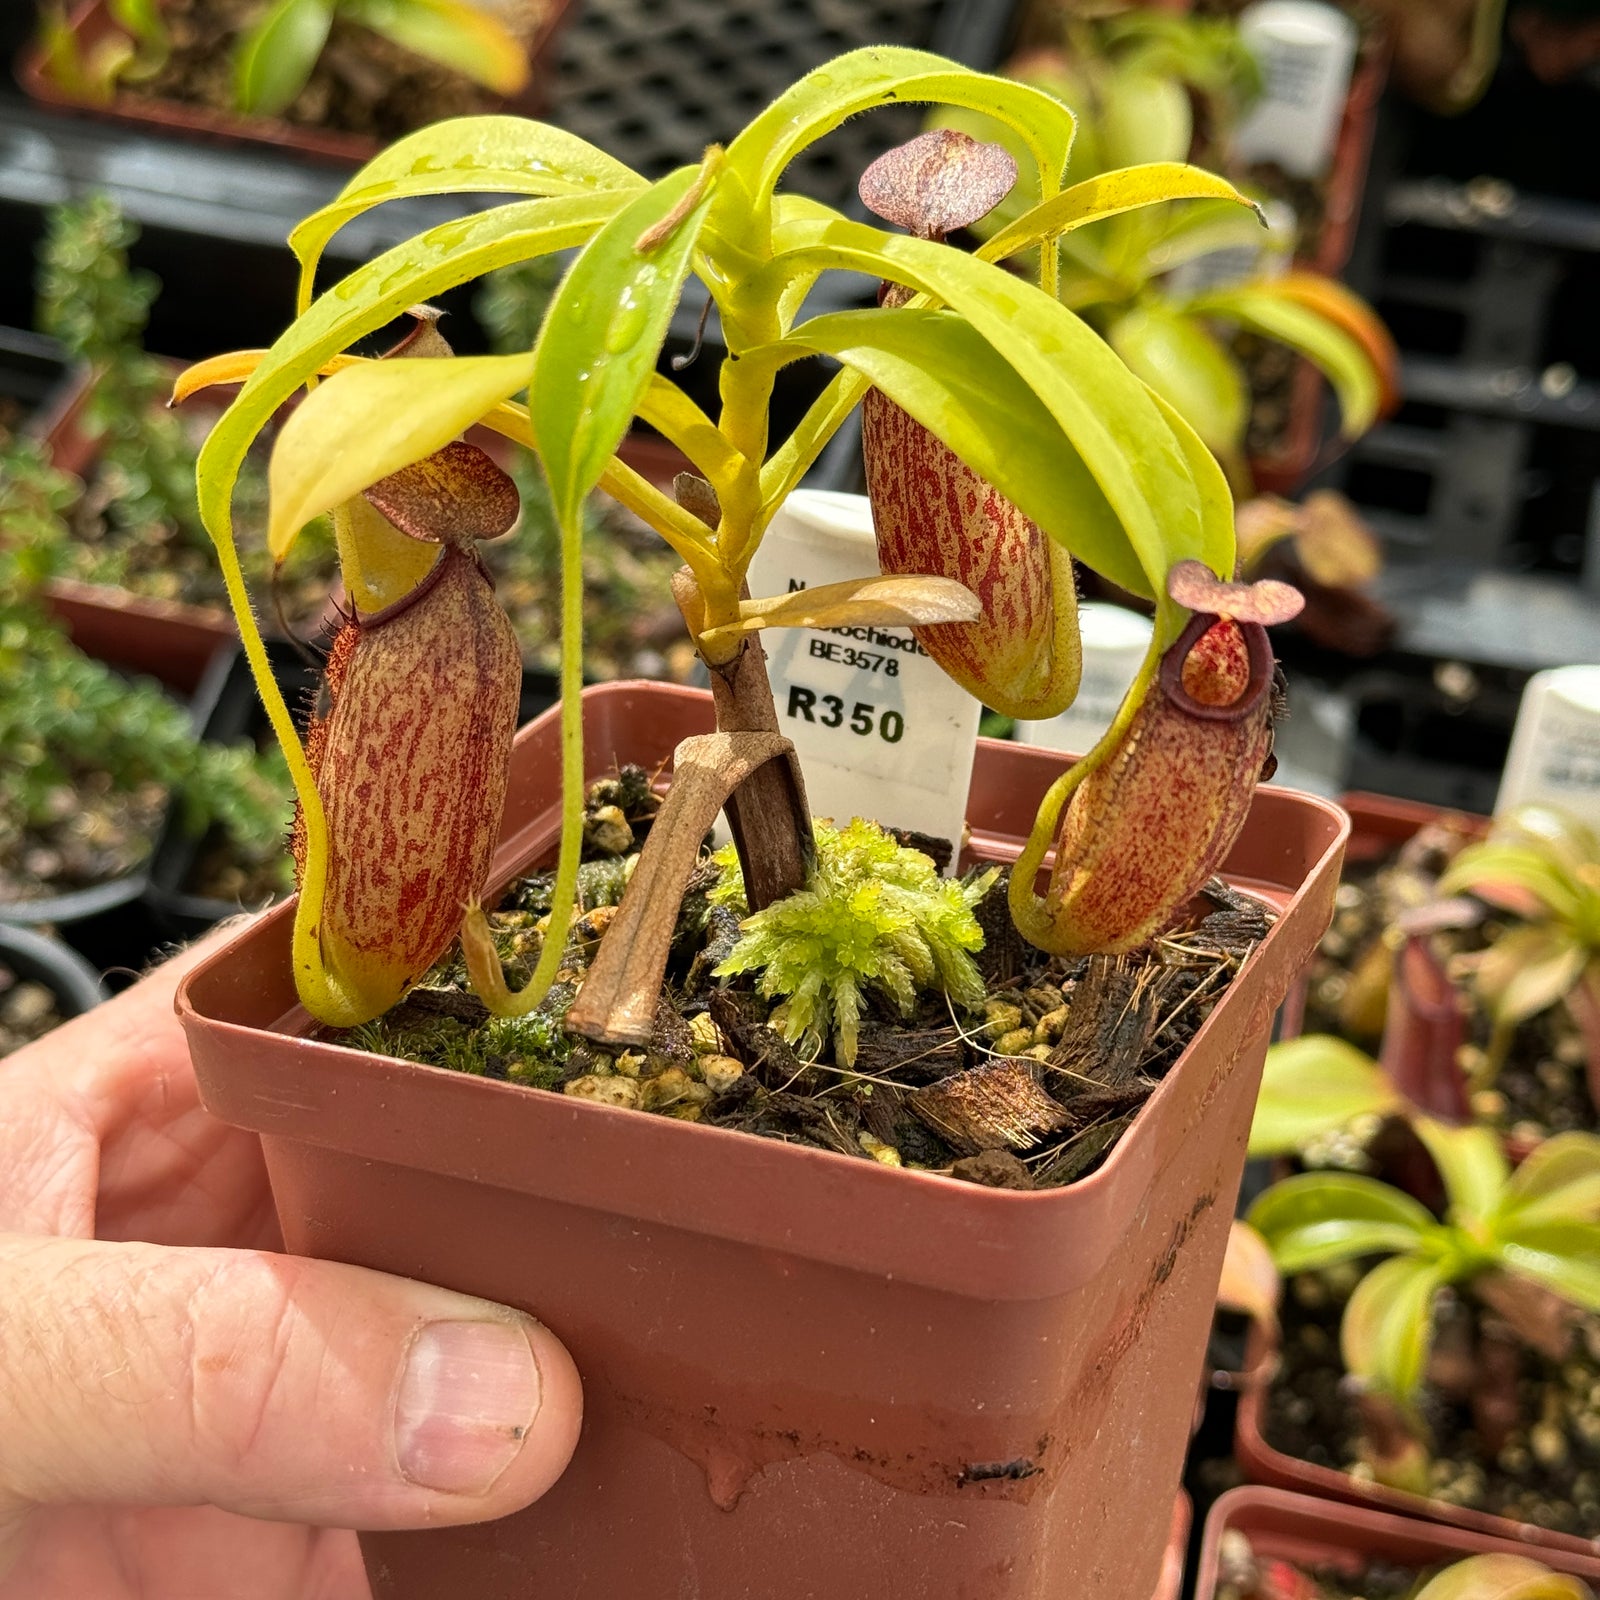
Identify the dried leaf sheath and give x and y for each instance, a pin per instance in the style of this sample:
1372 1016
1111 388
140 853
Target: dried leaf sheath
934 515
411 764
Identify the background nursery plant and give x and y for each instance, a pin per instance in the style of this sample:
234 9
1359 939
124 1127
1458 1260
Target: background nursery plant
1155 519
1480 1400
1132 276
162 48
91 757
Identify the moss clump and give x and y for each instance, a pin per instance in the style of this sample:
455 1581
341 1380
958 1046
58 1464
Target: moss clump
874 916
532 1050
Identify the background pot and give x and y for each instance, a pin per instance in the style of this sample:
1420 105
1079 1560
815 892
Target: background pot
92 22
1287 467
1170 1584
37 958
1313 1532
1263 1463
804 1374
1379 825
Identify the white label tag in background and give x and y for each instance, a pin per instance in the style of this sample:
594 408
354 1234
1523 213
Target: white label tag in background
881 732
1307 53
1555 751
1114 643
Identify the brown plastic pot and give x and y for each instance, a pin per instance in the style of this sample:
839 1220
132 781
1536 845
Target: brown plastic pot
1313 1533
804 1374
93 23
169 640
1287 467
1170 1584
1263 1463
1379 825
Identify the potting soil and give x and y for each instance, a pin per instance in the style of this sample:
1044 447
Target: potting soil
1030 1090
1523 1445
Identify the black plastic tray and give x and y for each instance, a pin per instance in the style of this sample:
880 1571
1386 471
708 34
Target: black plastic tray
37 958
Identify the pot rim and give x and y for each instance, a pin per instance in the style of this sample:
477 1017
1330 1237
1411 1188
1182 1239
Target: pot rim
1277 1470
1342 1526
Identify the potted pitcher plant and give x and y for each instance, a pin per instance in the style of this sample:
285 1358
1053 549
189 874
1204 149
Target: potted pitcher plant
893 1342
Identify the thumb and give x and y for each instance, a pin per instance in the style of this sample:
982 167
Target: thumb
301 1391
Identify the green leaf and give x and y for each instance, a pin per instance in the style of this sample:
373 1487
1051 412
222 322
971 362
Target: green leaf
464 38
1564 1256
370 420
143 19
1189 369
469 155
1388 1324
372 296
1311 1086
1480 868
1472 1163
1320 1218
1184 233
1328 348
1503 1577
1559 1182
275 57
1526 970
956 385
1112 423
1111 194
597 351
1144 117
855 82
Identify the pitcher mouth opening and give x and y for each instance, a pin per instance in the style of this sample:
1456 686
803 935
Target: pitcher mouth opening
1259 684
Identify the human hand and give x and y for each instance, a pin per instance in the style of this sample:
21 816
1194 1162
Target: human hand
183 1413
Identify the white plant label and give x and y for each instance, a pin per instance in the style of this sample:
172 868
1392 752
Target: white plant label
1114 643
880 730
1307 52
1555 751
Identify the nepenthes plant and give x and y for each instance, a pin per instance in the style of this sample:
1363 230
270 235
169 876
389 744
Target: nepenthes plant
1004 438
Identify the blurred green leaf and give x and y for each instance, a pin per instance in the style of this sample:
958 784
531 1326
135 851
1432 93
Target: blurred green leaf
1314 1085
456 34
1472 1163
274 57
1503 1577
1527 969
1564 1256
1317 1219
1187 367
1328 348
1387 1326
1559 1182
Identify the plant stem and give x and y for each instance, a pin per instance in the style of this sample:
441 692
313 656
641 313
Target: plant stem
767 814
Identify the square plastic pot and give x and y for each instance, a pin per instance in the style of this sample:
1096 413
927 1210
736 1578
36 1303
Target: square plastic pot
1262 1463
1311 1532
1379 825
1297 454
804 1375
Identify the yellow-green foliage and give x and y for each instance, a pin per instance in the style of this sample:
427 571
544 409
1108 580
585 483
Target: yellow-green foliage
874 914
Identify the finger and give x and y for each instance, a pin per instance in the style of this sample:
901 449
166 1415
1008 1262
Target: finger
101 1130
303 1391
